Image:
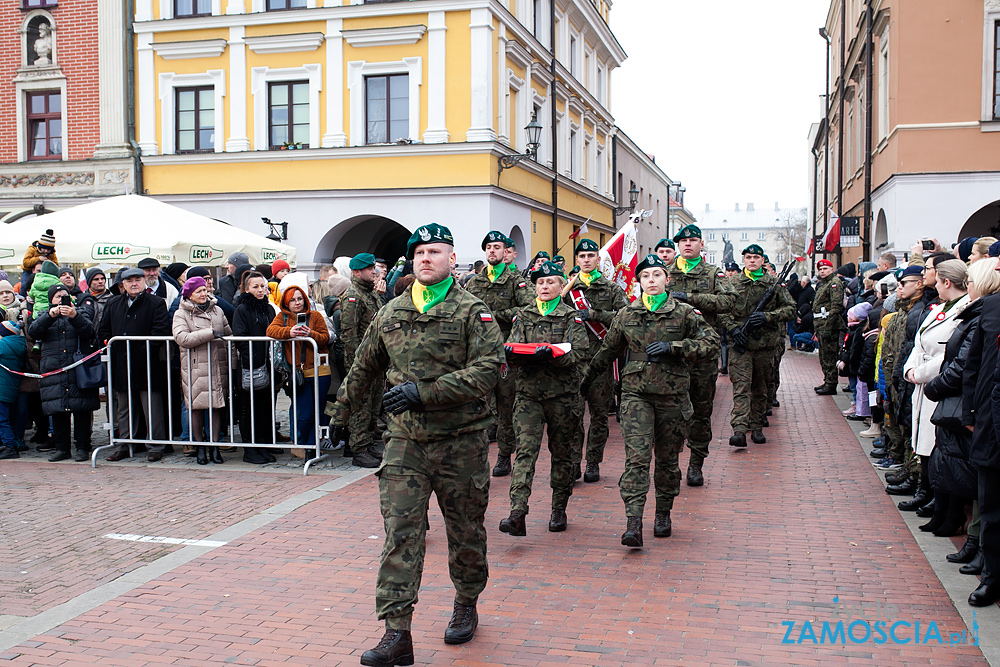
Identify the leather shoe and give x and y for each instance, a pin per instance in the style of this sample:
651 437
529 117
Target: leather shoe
923 497
878 453
214 456
985 595
202 455
81 454
593 473
632 537
757 435
975 566
116 456
897 476
926 510
462 628
904 489
818 387
503 466
769 412
694 475
776 403
738 440
557 522
365 460
514 524
661 524
59 455
395 648
826 391
153 457
967 552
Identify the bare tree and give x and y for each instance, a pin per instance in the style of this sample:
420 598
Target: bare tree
792 232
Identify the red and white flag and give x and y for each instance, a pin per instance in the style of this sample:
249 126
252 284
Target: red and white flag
619 259
831 239
582 230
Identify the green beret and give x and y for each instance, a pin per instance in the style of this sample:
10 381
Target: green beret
575 269
545 270
542 253
510 242
587 245
753 249
558 258
651 261
687 232
665 243
362 261
432 233
496 237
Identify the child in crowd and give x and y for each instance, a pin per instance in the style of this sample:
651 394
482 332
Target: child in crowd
850 359
12 407
868 372
39 294
39 251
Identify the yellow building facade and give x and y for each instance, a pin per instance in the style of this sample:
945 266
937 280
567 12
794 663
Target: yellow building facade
357 122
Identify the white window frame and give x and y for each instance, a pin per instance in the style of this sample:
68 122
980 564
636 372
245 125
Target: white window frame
761 236
514 118
711 236
744 236
33 86
167 9
602 169
573 152
357 70
261 76
574 49
883 85
169 81
711 258
991 14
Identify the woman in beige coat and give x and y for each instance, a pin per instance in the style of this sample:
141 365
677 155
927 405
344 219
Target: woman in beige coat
199 324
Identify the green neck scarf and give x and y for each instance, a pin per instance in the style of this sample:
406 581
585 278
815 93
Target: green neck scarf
494 272
426 297
687 265
588 278
654 301
546 307
754 275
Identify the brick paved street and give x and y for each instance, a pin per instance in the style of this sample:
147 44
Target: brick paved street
778 532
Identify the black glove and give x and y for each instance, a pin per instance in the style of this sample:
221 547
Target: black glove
657 349
217 334
757 320
508 351
583 314
739 338
585 386
679 296
543 353
401 398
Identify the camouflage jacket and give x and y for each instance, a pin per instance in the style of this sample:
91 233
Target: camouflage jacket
357 310
505 297
892 341
779 309
829 295
706 291
634 327
605 299
452 352
560 376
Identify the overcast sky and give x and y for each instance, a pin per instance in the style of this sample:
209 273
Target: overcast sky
723 93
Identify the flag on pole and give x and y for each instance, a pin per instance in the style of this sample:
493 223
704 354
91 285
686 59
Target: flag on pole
619 259
831 239
809 250
582 230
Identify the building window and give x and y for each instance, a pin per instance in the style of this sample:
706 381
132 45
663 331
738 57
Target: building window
274 5
711 236
781 257
536 19
31 4
387 104
195 122
572 56
600 85
760 236
600 170
45 125
744 236
288 114
711 258
192 8
725 236
996 71
883 86
572 154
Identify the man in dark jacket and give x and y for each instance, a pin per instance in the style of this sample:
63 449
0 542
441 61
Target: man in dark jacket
136 386
227 284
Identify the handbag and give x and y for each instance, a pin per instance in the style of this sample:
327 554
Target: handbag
948 413
256 378
297 376
91 373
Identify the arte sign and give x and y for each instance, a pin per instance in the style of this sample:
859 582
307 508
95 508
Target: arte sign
850 232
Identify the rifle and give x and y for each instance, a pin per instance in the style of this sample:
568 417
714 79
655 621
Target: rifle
762 304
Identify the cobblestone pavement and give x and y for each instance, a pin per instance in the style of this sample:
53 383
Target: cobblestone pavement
796 530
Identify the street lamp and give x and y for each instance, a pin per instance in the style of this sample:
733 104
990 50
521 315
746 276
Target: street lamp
274 235
533 131
633 199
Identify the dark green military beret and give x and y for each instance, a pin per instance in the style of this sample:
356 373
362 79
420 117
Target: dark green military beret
559 258
510 242
687 232
545 270
587 245
496 237
753 249
362 261
432 233
542 253
575 269
651 261
665 243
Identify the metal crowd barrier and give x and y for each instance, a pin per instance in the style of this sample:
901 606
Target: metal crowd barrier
319 432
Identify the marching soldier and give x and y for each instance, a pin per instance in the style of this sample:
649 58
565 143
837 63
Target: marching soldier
731 270
547 393
751 354
358 307
697 283
596 300
443 351
828 309
666 250
504 292
777 352
663 337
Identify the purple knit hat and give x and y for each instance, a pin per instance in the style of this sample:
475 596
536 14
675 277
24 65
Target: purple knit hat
191 284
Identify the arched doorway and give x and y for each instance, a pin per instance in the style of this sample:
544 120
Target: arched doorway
518 238
984 222
378 235
881 238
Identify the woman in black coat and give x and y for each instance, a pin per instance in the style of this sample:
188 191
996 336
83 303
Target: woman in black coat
252 316
60 332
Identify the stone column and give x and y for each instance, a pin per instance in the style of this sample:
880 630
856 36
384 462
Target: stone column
437 93
481 34
111 80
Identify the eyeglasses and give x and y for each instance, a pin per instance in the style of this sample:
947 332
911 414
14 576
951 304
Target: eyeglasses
910 282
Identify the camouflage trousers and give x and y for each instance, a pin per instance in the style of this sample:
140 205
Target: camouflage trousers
561 414
704 375
503 409
457 471
749 372
774 379
829 347
598 400
361 423
653 427
896 443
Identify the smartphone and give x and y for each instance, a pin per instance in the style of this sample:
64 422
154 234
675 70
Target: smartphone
66 300
302 319
927 244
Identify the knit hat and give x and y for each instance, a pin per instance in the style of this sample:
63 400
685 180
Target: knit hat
848 271
48 239
277 265
859 312
240 271
173 270
53 289
4 276
8 328
191 284
94 272
198 272
5 286
238 258
338 284
50 267
965 247
65 269
264 270
865 267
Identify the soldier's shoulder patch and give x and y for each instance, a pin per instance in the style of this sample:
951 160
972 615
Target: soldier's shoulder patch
351 299
835 285
522 284
513 319
486 317
578 320
697 311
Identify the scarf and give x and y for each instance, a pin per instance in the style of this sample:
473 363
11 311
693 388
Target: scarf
426 297
546 307
494 272
754 275
687 265
654 301
588 278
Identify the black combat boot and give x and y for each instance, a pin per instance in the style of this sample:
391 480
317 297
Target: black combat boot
974 566
921 499
514 524
462 628
926 510
662 525
985 595
593 473
765 422
502 468
364 459
906 488
738 440
694 475
967 552
632 537
828 390
757 435
395 648
557 522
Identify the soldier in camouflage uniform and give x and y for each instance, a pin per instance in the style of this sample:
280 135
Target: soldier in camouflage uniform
749 368
697 283
828 309
666 250
732 270
777 352
548 392
358 307
604 299
442 351
505 292
663 338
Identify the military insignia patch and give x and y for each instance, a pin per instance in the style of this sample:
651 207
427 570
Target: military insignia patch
486 317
